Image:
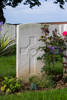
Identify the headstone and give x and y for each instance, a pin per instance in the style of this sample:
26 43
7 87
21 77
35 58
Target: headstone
28 36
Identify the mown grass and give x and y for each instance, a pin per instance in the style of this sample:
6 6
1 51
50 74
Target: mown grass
7 66
57 94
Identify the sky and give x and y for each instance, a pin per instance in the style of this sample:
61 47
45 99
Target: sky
47 12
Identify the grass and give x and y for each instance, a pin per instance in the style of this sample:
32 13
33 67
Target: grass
56 94
7 66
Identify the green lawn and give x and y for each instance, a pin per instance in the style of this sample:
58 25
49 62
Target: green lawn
42 95
7 66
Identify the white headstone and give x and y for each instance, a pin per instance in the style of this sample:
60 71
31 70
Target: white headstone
28 36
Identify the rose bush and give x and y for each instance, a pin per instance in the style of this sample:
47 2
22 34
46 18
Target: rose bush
53 51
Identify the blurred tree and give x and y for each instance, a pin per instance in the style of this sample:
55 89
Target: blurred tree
31 3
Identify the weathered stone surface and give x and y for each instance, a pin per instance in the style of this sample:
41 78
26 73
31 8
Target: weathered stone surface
28 42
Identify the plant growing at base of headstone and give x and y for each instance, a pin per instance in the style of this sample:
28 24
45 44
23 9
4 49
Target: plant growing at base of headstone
53 49
10 85
40 82
7 46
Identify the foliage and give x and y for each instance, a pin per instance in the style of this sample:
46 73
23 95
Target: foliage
57 69
7 46
32 3
41 82
53 49
33 80
9 51
65 79
33 86
10 85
